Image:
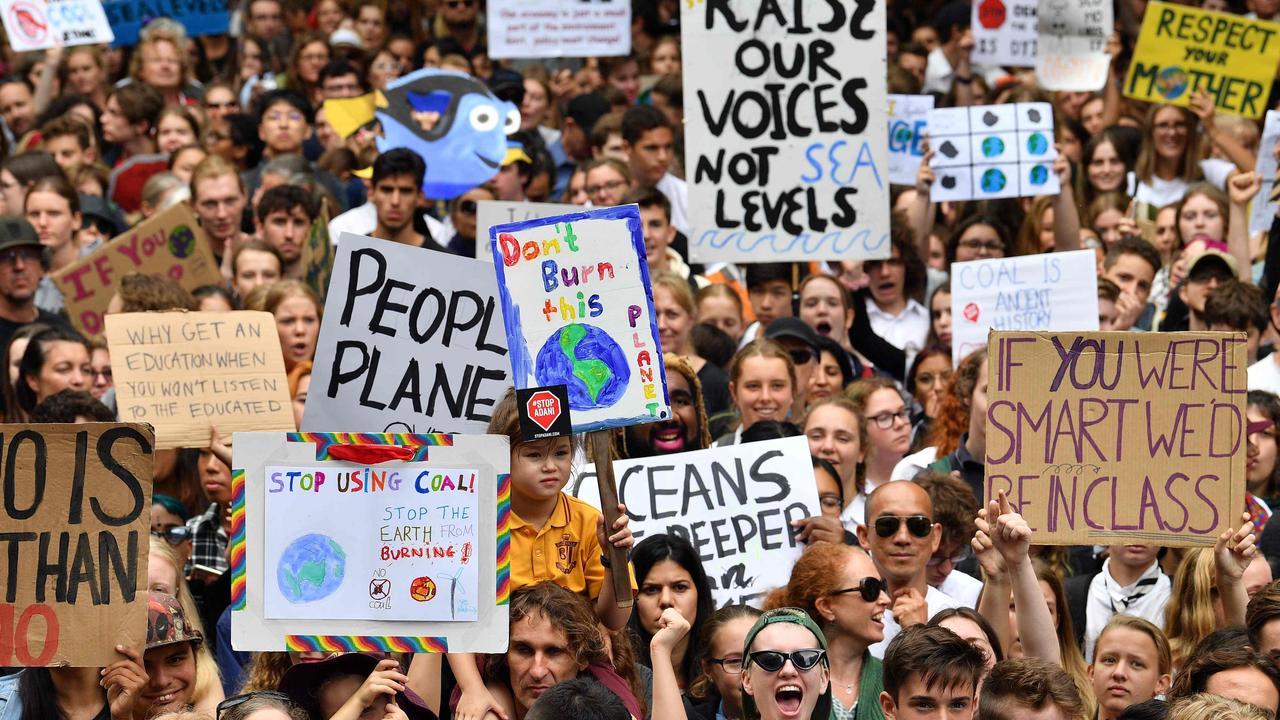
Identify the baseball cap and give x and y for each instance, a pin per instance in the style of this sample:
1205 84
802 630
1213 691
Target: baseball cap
167 624
344 36
795 616
587 109
16 232
1207 257
792 327
302 681
516 153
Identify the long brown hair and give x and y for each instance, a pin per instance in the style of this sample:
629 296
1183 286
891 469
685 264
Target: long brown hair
701 687
1189 165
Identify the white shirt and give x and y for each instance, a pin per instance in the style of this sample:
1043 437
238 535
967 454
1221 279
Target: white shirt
363 220
1159 193
964 587
1146 598
906 331
914 464
938 73
677 192
1265 374
937 602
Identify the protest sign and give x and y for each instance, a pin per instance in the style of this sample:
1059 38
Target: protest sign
1004 32
170 244
1118 437
37 24
499 212
1071 53
77 522
124 186
992 151
601 341
558 28
734 504
317 254
1182 49
785 136
419 564
908 122
199 17
1262 211
186 371
411 340
1058 291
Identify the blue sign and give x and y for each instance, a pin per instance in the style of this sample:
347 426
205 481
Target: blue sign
199 17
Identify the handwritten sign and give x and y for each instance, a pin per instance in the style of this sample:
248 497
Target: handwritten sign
170 244
1072 48
578 311
1262 211
37 24
420 562
1004 32
1183 49
77 522
908 123
785 144
1058 291
992 151
186 371
411 341
558 28
734 504
199 17
1118 437
501 212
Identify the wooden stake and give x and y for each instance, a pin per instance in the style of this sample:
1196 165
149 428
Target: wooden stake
602 456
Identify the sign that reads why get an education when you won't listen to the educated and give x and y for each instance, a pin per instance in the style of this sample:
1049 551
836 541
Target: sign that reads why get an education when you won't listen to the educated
1118 437
785 130
577 306
75 523
1184 49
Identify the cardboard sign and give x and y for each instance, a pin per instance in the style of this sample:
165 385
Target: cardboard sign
501 212
578 309
420 563
76 522
1056 291
992 151
1073 39
199 17
908 123
317 254
1181 49
1004 32
186 371
1118 437
170 244
558 28
734 504
37 24
1262 212
411 341
544 412
785 141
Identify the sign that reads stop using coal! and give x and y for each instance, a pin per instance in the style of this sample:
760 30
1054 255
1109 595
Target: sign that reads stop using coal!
544 412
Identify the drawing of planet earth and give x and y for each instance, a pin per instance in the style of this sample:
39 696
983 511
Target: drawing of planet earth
1171 82
1037 144
993 181
992 146
311 568
588 362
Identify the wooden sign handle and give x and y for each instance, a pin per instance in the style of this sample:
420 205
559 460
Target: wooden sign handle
602 456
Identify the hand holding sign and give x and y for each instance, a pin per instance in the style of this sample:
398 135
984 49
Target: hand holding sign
386 679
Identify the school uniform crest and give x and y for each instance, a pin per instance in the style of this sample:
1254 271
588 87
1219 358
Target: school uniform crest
567 554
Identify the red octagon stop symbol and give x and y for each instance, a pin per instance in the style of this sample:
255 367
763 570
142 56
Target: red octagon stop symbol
991 14
544 408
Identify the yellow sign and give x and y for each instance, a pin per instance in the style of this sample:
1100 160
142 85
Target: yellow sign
1182 49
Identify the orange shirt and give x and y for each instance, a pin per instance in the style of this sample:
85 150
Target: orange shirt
565 550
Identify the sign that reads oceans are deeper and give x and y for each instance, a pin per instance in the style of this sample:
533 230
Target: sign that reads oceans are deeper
578 310
785 130
1118 437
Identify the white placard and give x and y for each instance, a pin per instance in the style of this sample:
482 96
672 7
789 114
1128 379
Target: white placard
1073 39
1056 291
558 28
992 151
908 122
38 25
1262 211
1004 33
499 212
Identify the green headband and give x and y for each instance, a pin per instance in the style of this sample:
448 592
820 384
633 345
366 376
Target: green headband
795 616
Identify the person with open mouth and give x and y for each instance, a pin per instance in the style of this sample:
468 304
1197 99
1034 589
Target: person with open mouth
785 674
686 429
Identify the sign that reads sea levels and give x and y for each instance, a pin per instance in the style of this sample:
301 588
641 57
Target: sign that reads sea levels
1114 437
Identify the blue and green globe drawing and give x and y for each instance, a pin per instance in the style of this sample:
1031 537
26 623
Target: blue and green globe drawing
1037 144
311 568
1039 175
992 146
1171 82
588 362
993 181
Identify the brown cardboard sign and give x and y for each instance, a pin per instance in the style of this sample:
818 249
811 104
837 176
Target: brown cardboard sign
76 521
184 372
1118 437
170 244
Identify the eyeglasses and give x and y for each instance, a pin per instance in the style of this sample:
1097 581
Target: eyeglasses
963 554
831 502
276 117
773 660
975 244
1171 126
886 419
104 373
918 525
868 587
467 207
731 665
175 535
800 356
25 254
611 185
237 700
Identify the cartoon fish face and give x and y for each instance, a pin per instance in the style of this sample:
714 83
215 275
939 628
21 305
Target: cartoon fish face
453 121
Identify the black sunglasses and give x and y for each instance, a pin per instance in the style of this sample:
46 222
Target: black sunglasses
467 207
869 587
236 700
174 535
918 525
773 660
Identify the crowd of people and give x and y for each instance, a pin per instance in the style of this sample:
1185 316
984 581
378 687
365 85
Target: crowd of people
917 595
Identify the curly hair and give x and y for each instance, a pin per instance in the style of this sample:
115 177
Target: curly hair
953 410
563 610
144 293
816 574
682 366
266 671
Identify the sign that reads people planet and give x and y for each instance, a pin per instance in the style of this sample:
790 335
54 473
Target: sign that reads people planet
785 132
578 310
1116 437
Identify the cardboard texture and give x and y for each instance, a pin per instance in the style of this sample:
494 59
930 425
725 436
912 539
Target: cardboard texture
186 371
77 529
170 244
1116 437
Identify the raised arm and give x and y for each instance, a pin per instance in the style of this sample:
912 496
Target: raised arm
993 604
1241 188
1232 554
1202 105
1012 537
921 212
1112 98
1066 218
667 701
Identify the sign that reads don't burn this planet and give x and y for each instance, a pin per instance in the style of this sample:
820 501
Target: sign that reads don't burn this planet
578 311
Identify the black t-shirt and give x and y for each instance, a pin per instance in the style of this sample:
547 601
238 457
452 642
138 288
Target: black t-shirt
9 327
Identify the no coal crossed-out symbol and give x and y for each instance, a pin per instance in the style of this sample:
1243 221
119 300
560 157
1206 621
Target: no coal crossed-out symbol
379 588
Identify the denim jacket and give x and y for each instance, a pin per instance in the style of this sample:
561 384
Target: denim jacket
10 705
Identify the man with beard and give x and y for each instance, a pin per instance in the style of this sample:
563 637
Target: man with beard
21 267
285 214
686 429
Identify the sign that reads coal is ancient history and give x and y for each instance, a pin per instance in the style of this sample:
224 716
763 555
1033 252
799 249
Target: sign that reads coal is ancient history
1117 437
74 532
785 132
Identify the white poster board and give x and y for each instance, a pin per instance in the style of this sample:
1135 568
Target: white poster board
1055 291
558 28
1262 211
1004 33
39 25
908 123
500 212
411 341
1073 39
734 504
992 151
785 166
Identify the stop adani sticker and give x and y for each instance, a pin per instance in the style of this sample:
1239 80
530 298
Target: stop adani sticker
544 412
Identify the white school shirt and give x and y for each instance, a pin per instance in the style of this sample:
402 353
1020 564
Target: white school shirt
1145 598
906 331
1265 374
